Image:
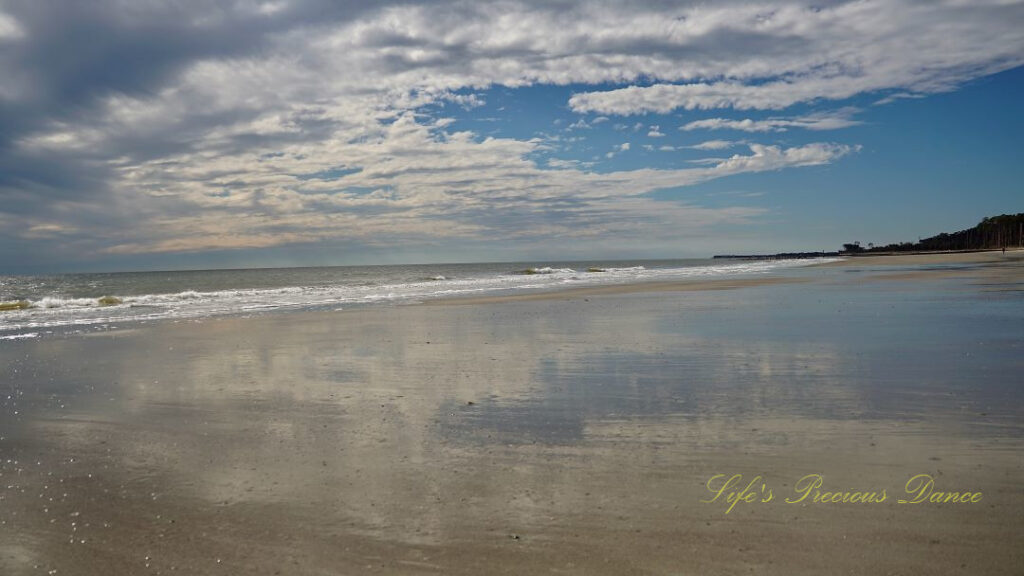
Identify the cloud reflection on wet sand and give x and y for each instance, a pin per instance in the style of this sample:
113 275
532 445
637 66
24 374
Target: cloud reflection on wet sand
561 433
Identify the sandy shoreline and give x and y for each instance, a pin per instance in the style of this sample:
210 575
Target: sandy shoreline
570 433
791 276
563 293
991 256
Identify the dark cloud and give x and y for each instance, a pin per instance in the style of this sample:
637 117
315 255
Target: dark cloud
72 54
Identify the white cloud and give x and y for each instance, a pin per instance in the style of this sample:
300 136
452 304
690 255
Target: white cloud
426 186
773 157
560 164
820 121
466 101
836 52
617 150
655 132
714 145
10 29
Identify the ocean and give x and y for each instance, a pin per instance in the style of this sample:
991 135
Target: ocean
35 306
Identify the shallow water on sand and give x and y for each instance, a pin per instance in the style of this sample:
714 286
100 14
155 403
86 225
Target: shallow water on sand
574 435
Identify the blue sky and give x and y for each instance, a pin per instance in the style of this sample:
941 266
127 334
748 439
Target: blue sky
306 132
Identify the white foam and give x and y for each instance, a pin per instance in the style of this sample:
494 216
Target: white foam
548 270
54 311
55 302
20 336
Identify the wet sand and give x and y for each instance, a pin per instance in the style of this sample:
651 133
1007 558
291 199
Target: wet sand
995 269
570 433
691 285
1003 269
917 259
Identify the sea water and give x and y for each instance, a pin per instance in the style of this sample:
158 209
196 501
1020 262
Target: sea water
33 306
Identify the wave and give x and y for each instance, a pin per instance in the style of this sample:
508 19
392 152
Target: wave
56 310
617 270
24 336
58 302
546 270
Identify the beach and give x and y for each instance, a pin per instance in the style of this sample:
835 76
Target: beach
596 430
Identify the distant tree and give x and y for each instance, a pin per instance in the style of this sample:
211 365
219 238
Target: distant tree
992 232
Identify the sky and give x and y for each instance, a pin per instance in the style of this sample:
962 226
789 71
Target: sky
138 135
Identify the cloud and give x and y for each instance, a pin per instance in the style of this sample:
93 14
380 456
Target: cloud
655 132
774 157
617 150
9 28
451 188
830 52
184 126
820 121
466 101
714 145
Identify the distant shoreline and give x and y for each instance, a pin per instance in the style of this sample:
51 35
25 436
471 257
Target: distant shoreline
779 256
806 255
927 252
949 263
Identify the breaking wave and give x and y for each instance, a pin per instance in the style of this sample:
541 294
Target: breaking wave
19 314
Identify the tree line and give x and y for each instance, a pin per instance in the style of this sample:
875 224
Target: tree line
992 233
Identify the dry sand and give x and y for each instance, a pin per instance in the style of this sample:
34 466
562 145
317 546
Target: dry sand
566 434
